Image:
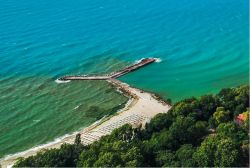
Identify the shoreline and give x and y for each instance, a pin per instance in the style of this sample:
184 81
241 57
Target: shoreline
62 139
139 109
51 144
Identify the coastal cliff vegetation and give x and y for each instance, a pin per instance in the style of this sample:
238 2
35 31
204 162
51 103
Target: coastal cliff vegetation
210 131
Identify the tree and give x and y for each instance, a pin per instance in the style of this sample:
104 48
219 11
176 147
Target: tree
78 139
221 115
121 148
232 130
227 98
212 122
161 141
217 151
244 157
181 130
118 153
239 109
65 156
198 131
204 156
208 104
235 99
132 157
246 122
159 122
177 138
242 95
166 159
182 108
88 158
185 155
107 159
227 153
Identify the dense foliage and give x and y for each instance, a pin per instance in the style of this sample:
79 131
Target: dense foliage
195 132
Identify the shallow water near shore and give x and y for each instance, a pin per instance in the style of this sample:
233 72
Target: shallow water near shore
202 45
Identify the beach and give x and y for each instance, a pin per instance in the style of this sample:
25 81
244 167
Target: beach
201 46
142 107
201 50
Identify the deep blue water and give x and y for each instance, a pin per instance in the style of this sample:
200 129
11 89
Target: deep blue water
203 45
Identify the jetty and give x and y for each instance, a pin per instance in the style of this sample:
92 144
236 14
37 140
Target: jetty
140 109
116 74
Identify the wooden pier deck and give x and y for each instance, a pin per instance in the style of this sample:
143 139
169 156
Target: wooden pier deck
116 74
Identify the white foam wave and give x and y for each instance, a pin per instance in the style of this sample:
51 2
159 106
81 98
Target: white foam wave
62 138
76 107
55 141
62 81
37 148
138 61
158 60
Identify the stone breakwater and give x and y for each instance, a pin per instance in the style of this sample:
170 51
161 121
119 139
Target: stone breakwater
142 108
140 64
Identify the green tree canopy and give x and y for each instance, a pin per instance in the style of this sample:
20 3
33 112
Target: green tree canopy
166 159
217 151
185 155
221 115
232 130
177 138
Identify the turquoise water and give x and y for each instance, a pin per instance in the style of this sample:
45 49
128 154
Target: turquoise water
203 47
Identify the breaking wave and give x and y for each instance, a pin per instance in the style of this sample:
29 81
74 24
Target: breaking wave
158 60
62 81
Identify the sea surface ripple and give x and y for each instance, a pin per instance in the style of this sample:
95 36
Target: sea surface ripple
202 45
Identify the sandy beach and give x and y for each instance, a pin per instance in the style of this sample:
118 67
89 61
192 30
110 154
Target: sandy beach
141 108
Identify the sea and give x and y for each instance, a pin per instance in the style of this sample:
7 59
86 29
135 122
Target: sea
202 46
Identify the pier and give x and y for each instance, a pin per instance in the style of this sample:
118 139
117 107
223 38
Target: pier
141 108
142 63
